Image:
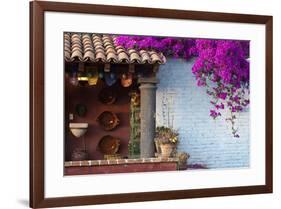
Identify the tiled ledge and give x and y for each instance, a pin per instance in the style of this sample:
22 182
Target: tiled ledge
118 162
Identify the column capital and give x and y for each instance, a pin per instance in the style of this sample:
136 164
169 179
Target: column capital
148 80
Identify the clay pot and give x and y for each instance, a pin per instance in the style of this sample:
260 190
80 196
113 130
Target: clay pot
108 120
182 160
167 150
79 155
83 80
109 145
127 80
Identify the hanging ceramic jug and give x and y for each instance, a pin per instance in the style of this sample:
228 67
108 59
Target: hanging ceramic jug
93 76
82 79
110 78
127 79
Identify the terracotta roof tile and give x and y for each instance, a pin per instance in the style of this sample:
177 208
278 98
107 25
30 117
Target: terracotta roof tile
88 47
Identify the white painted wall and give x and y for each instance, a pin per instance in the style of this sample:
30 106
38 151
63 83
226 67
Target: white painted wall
183 105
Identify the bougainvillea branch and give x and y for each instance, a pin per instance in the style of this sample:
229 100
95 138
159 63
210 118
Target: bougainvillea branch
221 66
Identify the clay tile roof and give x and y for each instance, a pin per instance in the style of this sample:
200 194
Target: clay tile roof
88 47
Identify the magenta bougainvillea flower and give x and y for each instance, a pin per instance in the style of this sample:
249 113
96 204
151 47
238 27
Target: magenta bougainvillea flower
221 66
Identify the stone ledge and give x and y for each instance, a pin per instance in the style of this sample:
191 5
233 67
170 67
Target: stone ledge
121 168
87 163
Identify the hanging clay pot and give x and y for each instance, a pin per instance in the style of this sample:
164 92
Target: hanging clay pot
83 79
92 74
127 79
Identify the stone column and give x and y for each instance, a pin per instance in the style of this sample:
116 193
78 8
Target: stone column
147 115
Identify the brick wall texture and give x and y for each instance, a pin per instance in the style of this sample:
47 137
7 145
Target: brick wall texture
183 105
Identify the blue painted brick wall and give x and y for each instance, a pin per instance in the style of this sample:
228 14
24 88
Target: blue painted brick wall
185 106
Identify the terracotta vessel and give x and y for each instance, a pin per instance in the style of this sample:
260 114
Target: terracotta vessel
167 150
109 145
108 120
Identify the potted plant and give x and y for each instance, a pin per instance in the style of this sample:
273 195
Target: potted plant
166 140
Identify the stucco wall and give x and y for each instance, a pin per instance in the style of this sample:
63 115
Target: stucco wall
88 95
184 106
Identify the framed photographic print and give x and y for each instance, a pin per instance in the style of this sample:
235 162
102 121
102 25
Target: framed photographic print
139 104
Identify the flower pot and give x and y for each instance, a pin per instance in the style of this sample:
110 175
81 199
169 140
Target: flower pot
167 150
182 160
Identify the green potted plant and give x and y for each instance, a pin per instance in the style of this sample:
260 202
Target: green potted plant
166 140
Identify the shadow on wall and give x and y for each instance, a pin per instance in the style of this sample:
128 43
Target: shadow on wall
196 166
